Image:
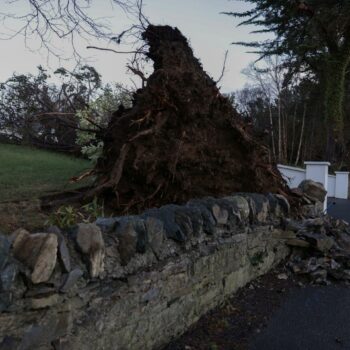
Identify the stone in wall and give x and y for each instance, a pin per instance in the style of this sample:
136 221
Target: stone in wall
90 242
312 195
135 282
314 190
38 252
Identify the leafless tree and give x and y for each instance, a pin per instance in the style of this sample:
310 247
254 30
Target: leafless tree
284 110
269 80
59 19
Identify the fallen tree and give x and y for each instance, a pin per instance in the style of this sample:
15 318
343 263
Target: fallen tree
182 138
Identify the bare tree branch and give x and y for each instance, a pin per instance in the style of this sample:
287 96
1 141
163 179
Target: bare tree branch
111 50
223 67
63 19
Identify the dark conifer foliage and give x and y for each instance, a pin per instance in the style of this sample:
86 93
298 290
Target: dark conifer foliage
312 36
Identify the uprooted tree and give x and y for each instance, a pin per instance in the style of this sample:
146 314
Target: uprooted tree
181 139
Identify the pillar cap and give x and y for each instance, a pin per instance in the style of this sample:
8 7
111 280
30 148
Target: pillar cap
317 163
342 172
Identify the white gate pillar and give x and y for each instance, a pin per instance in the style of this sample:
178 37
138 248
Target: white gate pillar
318 172
341 184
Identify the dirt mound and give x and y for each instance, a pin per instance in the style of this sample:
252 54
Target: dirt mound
182 138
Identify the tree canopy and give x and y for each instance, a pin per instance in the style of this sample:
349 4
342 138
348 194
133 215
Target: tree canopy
311 36
302 30
40 112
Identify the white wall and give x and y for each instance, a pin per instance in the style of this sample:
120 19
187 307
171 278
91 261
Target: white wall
342 184
293 176
331 185
336 185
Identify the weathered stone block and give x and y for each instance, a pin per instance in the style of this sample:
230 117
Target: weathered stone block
156 236
38 252
220 215
241 204
90 241
132 237
171 215
313 190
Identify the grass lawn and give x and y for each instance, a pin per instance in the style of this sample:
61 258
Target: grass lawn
27 173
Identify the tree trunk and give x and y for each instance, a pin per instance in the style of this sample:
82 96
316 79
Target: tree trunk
272 133
301 136
293 134
334 99
280 156
285 135
311 154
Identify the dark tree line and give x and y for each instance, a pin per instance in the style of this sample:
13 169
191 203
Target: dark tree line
312 38
289 123
288 113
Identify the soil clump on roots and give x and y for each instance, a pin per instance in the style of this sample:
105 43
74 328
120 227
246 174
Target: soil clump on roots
182 139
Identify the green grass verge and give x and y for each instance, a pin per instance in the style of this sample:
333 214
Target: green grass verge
27 173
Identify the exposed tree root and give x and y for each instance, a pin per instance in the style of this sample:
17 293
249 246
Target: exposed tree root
181 139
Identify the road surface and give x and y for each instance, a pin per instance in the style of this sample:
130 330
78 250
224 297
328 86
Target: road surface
313 318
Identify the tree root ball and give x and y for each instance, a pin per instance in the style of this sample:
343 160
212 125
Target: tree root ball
181 139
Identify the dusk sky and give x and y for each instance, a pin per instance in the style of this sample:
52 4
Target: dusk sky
209 32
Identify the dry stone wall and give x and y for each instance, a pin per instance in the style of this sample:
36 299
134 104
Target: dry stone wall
134 282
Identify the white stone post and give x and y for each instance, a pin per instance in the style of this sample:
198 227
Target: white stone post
318 172
341 184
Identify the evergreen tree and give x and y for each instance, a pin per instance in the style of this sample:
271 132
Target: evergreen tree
312 36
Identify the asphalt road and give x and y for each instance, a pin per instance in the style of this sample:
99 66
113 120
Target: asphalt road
339 208
313 318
